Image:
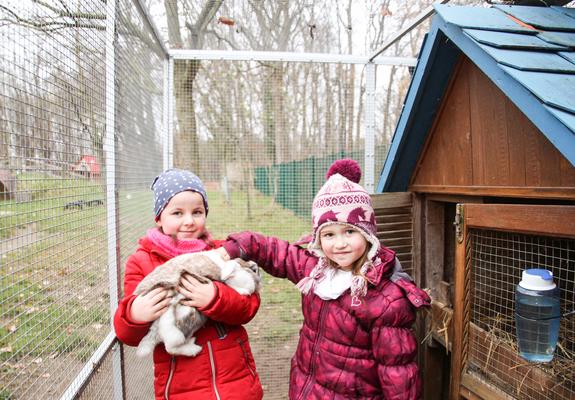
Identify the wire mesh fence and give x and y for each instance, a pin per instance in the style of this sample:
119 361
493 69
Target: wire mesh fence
54 215
498 258
74 200
263 152
53 286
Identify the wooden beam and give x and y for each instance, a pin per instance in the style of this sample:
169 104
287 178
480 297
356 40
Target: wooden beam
458 343
567 193
473 388
530 219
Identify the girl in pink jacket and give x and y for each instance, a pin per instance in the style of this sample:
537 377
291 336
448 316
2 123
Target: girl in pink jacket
356 340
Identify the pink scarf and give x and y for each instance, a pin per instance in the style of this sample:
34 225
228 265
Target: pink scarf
175 247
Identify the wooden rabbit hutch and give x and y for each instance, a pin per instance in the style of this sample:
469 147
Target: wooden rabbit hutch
484 153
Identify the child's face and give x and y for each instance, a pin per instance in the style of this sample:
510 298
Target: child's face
342 244
184 216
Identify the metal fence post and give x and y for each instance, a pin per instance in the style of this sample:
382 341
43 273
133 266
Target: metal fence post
369 160
166 115
170 113
112 192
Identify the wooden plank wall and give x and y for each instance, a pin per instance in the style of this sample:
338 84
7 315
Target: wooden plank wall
481 144
393 214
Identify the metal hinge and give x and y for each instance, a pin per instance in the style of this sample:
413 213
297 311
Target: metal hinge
458 223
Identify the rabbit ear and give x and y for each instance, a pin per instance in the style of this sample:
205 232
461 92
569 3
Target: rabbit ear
215 257
228 269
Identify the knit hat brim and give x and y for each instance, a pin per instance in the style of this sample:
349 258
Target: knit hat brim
173 181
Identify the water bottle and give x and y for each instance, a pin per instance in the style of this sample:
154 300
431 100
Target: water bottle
537 315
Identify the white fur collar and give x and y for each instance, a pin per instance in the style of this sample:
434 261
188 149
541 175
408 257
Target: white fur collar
334 283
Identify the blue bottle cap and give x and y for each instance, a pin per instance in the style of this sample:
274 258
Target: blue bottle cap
537 279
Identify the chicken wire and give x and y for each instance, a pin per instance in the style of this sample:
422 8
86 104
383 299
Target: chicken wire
498 259
74 201
54 307
266 139
55 220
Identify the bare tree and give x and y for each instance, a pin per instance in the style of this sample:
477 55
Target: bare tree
302 109
186 149
55 24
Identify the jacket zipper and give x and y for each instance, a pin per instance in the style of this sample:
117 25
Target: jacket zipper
310 378
213 367
241 342
170 376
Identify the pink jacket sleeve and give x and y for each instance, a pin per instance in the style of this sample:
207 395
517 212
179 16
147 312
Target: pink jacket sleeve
277 257
394 348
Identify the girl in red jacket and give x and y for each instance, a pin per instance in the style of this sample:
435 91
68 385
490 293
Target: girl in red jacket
225 368
358 307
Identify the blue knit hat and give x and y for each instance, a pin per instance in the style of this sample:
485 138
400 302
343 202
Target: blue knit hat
173 181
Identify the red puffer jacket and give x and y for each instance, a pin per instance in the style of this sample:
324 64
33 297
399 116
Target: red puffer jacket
364 351
225 367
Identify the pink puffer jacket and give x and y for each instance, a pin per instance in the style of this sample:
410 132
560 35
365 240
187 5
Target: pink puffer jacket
364 351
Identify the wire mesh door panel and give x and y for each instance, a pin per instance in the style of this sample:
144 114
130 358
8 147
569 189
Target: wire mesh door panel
497 260
495 257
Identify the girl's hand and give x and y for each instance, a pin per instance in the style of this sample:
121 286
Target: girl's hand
149 307
196 293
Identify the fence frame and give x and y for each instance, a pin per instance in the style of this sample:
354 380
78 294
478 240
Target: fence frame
278 56
168 115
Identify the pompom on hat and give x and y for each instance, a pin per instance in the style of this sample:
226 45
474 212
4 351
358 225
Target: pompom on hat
173 181
343 200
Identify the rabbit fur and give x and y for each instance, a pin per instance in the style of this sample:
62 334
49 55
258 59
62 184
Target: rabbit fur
176 327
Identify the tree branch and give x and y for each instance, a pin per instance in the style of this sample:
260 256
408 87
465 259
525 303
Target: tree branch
69 14
43 25
223 39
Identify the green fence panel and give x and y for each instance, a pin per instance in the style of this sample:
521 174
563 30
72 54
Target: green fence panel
295 183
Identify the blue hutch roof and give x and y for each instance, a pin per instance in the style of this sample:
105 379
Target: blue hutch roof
534 68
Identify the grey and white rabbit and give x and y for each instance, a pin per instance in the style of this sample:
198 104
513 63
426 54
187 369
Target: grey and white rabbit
176 327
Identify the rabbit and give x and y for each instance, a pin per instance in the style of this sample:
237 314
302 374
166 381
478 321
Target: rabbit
177 325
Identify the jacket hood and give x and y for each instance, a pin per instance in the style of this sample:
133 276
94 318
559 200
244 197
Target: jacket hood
382 268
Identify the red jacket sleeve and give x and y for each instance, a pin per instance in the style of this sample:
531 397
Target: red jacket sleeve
128 331
230 307
277 257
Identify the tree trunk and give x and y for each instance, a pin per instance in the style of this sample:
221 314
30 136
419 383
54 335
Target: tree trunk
282 133
186 146
186 151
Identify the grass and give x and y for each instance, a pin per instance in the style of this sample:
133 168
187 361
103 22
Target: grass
39 324
5 395
51 330
262 216
46 205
